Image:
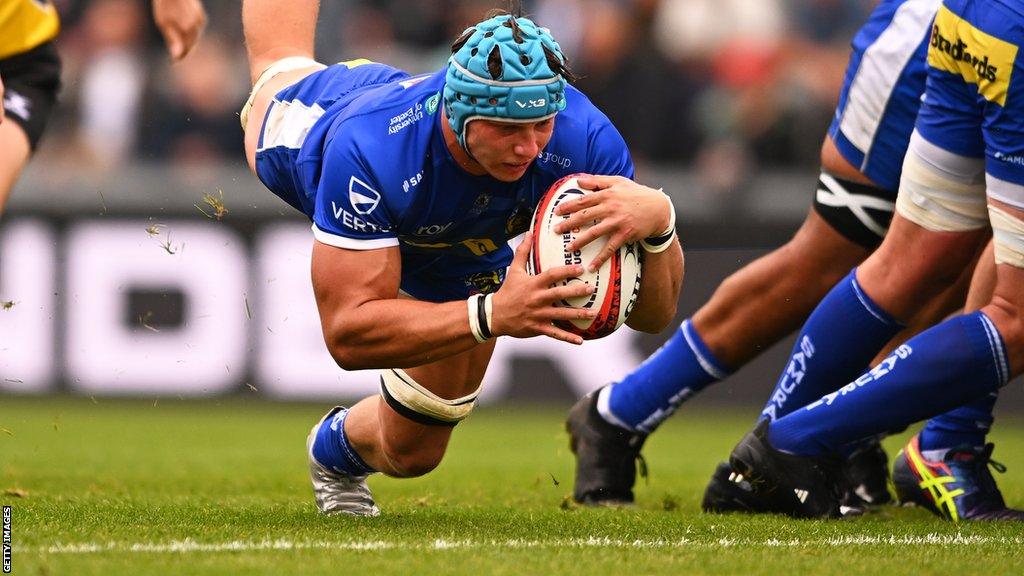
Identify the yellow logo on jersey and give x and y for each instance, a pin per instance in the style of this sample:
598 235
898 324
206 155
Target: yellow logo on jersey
982 59
356 63
478 246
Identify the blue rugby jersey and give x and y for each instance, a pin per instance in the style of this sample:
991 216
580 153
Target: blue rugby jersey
974 102
359 149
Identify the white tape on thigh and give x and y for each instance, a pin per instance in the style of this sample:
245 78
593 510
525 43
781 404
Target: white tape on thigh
938 200
1008 236
282 65
410 394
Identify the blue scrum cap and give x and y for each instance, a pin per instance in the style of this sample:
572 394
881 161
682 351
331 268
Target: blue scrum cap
522 87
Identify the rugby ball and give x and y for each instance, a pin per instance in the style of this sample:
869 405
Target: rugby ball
617 280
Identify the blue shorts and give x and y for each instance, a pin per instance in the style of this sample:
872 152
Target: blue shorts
974 100
882 89
296 110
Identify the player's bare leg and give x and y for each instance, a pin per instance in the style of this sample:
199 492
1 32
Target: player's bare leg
271 36
764 301
769 298
14 155
397 446
349 444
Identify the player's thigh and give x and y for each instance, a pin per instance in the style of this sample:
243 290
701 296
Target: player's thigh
449 378
261 101
820 248
14 155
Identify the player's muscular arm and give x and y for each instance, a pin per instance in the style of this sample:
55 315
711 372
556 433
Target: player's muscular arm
630 212
659 290
276 29
366 325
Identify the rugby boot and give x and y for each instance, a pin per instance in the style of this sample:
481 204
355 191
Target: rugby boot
798 486
729 491
607 457
866 472
337 492
960 487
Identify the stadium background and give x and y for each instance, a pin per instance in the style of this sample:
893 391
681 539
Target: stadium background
119 278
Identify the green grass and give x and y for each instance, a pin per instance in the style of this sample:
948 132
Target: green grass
172 487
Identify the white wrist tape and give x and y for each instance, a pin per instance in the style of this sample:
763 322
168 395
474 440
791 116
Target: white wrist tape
661 242
480 310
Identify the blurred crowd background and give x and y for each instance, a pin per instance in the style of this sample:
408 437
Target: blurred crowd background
723 102
723 87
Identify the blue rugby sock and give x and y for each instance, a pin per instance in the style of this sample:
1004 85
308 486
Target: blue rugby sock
840 338
332 450
940 369
679 369
966 425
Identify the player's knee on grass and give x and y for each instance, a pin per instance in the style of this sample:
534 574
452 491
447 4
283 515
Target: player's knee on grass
409 459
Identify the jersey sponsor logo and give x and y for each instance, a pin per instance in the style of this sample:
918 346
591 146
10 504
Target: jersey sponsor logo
958 47
1009 158
354 222
362 198
433 229
402 121
479 246
555 159
410 183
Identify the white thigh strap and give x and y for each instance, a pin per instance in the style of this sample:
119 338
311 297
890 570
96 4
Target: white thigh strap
942 198
398 386
282 65
1008 237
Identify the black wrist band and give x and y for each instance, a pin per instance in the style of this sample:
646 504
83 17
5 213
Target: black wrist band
659 240
481 314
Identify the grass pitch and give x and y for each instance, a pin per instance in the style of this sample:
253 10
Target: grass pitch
220 487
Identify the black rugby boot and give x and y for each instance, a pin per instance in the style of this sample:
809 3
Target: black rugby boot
729 491
866 472
798 486
607 457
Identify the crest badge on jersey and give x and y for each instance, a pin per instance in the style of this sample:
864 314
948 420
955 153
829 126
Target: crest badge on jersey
363 198
432 103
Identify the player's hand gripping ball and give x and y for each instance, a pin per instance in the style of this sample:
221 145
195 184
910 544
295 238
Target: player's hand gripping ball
616 282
